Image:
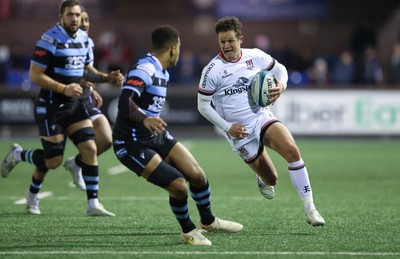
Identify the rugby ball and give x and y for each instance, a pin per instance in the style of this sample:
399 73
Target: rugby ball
260 84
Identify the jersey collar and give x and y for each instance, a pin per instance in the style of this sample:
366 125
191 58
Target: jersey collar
156 60
223 57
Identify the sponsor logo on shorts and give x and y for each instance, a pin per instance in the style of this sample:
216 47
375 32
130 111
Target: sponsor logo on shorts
243 152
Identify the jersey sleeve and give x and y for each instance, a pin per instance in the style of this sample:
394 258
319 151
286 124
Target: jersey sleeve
207 81
139 77
274 67
44 51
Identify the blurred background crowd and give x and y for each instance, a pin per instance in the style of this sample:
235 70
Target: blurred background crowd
323 43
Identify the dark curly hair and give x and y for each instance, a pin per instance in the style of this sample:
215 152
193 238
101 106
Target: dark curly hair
229 23
68 3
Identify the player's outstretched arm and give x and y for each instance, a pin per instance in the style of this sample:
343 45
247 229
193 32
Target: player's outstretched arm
94 75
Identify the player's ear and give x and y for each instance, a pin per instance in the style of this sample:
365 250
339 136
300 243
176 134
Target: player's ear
172 50
241 39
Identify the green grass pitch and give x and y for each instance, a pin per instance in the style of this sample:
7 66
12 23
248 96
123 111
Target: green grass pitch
356 185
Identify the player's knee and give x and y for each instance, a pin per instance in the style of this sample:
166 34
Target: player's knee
88 150
197 177
292 153
54 162
53 155
195 174
178 188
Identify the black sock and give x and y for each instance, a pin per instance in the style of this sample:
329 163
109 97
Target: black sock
181 211
35 186
35 157
202 197
78 160
90 174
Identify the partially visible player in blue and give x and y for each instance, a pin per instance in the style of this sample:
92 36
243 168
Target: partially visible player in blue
92 102
142 143
60 58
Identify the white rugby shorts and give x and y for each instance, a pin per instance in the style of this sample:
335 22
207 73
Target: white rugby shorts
248 147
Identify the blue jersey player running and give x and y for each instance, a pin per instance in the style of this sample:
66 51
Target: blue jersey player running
143 145
60 58
92 102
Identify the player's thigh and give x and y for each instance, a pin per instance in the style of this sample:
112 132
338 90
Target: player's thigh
181 158
87 123
279 138
138 157
151 166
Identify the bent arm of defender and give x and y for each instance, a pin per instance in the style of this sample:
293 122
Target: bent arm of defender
128 107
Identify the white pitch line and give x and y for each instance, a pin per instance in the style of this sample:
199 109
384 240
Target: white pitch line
251 253
42 195
120 169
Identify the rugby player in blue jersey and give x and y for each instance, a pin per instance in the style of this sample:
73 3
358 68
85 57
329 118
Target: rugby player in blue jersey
92 101
143 145
60 58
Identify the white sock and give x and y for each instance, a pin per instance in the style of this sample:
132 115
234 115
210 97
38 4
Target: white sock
299 175
93 202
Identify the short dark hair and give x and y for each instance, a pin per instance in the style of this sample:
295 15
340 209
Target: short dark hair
163 37
68 3
229 23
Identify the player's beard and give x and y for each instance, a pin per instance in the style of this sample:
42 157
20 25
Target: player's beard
71 30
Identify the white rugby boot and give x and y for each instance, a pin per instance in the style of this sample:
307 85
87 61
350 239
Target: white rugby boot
223 226
195 237
314 218
9 160
99 210
266 190
32 203
76 173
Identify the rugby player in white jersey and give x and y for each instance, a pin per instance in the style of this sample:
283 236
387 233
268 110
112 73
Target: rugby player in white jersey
225 83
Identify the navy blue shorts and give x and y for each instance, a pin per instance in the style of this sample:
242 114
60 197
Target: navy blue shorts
54 118
135 155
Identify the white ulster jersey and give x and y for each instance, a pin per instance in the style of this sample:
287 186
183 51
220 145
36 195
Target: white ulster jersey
229 82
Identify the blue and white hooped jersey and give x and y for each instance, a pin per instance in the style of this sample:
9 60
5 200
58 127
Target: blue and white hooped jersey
145 84
63 57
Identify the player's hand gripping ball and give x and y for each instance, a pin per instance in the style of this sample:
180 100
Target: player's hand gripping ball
259 87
